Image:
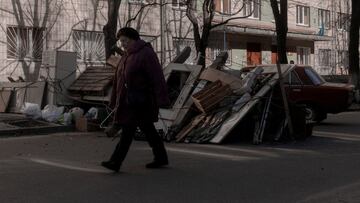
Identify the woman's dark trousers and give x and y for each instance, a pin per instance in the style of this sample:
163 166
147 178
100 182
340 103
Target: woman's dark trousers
152 136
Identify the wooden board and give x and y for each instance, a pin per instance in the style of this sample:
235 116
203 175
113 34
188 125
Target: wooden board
188 104
187 129
167 116
211 74
209 97
236 117
93 79
4 100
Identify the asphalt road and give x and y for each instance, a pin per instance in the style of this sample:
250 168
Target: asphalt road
65 168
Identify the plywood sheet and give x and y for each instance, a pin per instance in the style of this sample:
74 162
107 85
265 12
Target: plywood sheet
211 74
4 100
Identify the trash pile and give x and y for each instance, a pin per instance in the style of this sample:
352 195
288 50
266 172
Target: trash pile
215 104
208 105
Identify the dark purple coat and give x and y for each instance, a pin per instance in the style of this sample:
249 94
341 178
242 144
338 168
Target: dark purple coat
138 68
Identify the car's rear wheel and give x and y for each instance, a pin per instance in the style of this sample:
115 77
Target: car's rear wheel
313 114
310 113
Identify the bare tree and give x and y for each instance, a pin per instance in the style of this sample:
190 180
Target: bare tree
202 32
111 26
41 24
113 18
354 43
281 22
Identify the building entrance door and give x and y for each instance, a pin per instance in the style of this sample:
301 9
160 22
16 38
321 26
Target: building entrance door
273 54
253 53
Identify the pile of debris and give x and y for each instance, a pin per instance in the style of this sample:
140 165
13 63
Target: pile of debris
213 104
207 105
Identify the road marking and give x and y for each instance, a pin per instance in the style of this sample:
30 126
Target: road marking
67 166
208 154
344 136
257 152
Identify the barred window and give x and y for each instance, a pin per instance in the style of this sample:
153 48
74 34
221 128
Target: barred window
89 45
324 57
24 42
252 8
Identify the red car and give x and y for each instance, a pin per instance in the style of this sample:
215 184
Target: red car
305 86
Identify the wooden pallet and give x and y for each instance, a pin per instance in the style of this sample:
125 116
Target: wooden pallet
206 99
93 79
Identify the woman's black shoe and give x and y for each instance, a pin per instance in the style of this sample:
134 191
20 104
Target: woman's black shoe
157 164
112 165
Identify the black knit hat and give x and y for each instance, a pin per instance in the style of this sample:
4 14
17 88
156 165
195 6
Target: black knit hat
129 32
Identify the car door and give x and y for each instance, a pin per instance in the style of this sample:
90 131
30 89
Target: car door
294 87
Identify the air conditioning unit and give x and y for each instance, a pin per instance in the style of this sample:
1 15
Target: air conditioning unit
59 70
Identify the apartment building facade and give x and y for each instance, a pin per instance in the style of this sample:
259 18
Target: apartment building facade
318 32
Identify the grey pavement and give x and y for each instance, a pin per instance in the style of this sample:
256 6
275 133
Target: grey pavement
64 167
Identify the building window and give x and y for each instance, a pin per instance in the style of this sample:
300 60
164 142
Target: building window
324 57
180 4
24 42
180 44
89 45
252 8
303 15
343 21
216 52
324 18
303 55
343 58
223 6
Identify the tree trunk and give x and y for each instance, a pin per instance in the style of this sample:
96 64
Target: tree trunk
201 57
111 26
354 44
281 28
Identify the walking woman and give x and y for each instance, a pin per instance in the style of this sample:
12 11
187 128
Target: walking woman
139 89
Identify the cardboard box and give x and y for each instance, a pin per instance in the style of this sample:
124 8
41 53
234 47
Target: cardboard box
84 125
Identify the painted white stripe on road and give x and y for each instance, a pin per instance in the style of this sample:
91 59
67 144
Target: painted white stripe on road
257 152
344 136
67 166
210 154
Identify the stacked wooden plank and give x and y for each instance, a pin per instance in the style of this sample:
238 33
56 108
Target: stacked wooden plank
93 79
207 99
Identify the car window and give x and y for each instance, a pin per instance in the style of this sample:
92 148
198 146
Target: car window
294 78
314 76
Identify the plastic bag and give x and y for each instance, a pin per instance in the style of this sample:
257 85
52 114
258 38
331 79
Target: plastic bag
31 110
76 112
65 119
52 113
92 114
